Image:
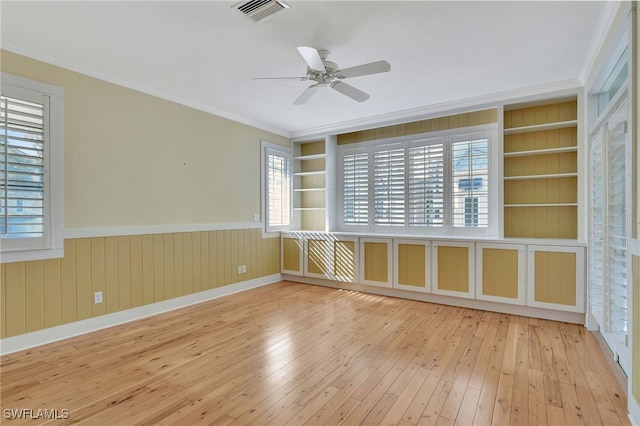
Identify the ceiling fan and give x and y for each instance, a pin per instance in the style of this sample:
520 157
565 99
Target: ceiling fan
327 73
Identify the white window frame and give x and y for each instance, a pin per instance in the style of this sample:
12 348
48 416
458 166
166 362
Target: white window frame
266 149
52 244
448 137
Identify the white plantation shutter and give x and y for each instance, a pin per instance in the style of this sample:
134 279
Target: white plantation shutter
278 192
22 171
355 168
470 183
426 185
389 187
596 231
617 231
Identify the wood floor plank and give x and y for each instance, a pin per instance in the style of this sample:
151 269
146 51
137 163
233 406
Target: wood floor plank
293 354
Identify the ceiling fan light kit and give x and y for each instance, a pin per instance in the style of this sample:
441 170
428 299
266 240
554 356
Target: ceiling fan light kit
326 73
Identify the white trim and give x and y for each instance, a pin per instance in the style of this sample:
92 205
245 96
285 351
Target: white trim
156 229
605 21
478 103
162 95
27 255
54 334
483 305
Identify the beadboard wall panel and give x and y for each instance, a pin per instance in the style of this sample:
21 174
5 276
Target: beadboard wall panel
130 271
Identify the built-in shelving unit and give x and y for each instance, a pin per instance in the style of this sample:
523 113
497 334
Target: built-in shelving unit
540 170
310 184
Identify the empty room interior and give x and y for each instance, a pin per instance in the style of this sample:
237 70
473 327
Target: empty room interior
319 212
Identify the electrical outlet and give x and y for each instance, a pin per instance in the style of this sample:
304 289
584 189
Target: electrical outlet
239 269
97 297
256 217
244 269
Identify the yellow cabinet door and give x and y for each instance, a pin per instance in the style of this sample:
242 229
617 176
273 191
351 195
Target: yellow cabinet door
317 257
500 274
292 260
345 256
412 265
376 261
453 266
556 278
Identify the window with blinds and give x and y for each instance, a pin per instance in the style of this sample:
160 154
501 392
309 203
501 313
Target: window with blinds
426 185
439 185
277 187
21 168
279 190
470 183
31 222
389 188
355 171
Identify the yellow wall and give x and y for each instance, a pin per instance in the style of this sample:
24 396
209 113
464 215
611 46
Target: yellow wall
130 271
456 121
133 159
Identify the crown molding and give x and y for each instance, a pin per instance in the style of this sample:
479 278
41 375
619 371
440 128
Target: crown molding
532 93
610 10
11 47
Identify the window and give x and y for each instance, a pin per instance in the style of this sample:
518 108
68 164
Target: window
31 201
438 185
277 190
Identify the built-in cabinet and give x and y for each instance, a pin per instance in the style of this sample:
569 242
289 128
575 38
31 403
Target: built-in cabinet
527 273
541 171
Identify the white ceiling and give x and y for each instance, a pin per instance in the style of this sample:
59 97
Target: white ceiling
205 53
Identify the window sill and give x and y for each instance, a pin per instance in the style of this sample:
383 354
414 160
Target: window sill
27 255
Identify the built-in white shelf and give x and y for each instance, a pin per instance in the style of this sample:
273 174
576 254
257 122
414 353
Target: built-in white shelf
309 189
541 127
316 173
310 157
545 176
541 151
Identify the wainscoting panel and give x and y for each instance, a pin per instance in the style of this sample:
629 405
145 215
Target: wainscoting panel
130 271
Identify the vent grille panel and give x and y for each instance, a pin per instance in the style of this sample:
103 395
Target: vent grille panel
259 10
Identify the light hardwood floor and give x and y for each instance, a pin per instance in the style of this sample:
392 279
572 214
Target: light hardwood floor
293 354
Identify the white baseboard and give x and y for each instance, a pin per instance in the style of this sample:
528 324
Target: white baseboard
504 308
41 337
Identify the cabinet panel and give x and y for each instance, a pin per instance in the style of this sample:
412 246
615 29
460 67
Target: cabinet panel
501 273
453 269
412 266
375 261
292 255
556 277
345 255
317 258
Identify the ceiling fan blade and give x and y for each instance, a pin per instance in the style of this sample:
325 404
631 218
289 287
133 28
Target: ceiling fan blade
365 69
350 91
282 78
306 94
312 58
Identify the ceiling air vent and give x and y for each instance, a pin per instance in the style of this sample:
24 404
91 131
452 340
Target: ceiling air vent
259 10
